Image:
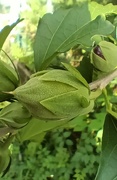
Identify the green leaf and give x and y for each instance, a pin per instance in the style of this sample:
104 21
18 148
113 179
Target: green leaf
36 126
6 31
38 138
97 123
108 166
64 29
97 9
78 124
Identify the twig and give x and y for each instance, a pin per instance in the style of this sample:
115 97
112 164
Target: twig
104 81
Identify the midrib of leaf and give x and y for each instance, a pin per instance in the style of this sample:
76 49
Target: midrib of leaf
59 47
71 36
54 35
79 37
66 38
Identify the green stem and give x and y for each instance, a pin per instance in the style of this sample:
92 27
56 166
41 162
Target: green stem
107 102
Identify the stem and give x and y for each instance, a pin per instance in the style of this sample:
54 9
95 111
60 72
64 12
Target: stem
108 104
104 81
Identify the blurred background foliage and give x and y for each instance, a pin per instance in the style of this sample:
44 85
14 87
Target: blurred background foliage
67 153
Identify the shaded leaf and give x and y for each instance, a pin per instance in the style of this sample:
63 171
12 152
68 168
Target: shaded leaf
86 69
108 166
38 138
65 28
6 31
36 126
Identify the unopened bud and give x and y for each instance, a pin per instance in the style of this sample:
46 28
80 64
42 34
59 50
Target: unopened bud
104 56
54 95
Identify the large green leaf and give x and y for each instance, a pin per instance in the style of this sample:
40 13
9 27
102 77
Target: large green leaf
36 127
6 31
97 9
108 166
65 28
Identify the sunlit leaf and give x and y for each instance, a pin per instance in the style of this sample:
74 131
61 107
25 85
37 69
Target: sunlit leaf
97 9
65 28
6 31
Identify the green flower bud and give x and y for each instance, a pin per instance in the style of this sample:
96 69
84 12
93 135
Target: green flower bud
104 56
8 81
54 94
15 115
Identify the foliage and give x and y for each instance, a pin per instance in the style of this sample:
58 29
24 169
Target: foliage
60 36
62 156
43 117
5 32
109 149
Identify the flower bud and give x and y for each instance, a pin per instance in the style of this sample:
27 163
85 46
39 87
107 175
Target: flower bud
15 115
54 95
8 81
104 56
